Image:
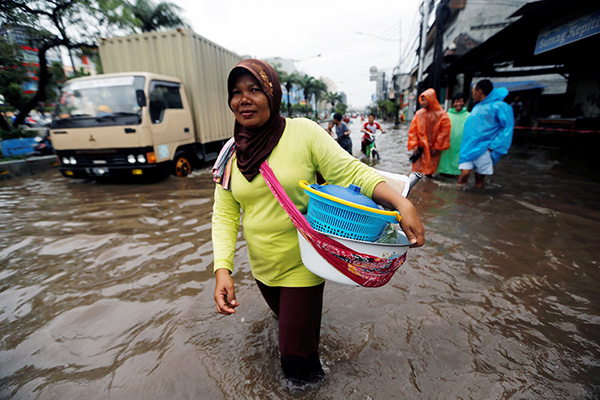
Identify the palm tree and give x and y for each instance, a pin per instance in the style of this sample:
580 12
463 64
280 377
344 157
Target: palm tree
149 16
307 83
288 81
319 89
333 97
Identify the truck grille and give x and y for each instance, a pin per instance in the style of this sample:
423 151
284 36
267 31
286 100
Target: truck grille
98 159
108 157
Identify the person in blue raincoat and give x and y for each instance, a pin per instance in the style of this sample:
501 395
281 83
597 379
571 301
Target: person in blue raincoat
487 134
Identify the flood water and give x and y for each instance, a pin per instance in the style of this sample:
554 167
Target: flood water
106 292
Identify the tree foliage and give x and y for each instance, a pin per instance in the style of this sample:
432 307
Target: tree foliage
75 25
47 25
306 82
149 16
389 107
319 89
332 98
310 86
341 108
288 80
13 72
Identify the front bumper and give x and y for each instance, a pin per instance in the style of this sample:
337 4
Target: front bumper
82 172
106 163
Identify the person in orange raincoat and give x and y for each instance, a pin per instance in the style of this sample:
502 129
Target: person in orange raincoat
429 131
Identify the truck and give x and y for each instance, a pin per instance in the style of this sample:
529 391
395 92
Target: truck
161 106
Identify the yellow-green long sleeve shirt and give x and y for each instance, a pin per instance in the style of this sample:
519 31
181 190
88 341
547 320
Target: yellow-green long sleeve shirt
273 249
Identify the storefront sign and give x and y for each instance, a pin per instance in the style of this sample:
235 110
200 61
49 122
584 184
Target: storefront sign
568 31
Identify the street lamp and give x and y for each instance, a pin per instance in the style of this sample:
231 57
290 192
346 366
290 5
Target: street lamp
305 58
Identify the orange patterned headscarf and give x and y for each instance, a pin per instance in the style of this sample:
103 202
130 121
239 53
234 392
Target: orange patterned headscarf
255 145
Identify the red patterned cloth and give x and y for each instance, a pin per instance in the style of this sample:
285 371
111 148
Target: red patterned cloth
364 269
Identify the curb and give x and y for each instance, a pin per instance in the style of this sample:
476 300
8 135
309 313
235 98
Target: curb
28 166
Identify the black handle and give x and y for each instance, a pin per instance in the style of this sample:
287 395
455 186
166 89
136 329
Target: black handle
129 130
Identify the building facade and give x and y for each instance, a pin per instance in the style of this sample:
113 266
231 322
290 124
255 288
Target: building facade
539 50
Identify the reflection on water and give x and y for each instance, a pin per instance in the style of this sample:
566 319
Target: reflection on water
106 292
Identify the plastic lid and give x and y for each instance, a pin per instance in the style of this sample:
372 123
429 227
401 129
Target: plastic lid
350 193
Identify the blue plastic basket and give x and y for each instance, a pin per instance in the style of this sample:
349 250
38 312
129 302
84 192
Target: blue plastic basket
342 219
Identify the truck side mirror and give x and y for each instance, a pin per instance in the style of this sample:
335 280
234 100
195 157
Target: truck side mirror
140 97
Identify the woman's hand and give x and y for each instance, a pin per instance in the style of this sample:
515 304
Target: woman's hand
411 223
225 293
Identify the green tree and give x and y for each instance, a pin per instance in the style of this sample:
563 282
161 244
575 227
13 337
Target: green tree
341 108
288 80
149 16
389 107
13 75
74 25
332 98
57 79
306 83
63 20
297 109
318 90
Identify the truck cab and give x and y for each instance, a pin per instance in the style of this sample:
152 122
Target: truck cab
124 124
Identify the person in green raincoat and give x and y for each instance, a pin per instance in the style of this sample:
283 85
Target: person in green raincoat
458 115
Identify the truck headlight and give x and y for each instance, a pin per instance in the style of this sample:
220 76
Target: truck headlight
65 160
131 159
72 160
141 159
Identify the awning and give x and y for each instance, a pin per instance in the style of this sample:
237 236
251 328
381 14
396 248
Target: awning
519 85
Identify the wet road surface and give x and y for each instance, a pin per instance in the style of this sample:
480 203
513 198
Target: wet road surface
106 292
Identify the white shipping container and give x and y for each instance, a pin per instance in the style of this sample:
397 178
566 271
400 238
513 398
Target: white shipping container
201 65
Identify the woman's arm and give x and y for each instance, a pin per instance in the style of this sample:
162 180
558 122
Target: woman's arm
340 168
411 223
225 226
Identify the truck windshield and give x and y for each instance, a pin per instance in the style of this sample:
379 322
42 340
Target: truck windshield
99 102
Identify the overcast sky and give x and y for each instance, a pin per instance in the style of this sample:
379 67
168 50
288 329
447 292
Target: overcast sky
300 30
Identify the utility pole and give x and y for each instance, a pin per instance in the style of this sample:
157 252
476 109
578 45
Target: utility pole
384 87
442 16
425 15
398 83
399 45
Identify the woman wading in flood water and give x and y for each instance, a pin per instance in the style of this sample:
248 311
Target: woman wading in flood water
295 149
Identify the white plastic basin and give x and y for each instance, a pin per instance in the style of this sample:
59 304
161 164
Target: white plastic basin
398 182
319 266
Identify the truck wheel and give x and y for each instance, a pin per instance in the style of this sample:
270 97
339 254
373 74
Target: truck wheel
181 165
